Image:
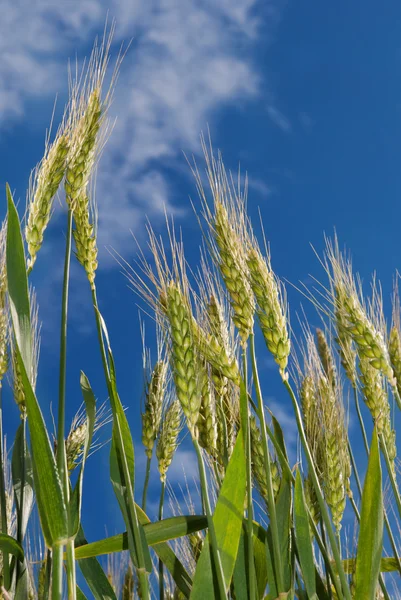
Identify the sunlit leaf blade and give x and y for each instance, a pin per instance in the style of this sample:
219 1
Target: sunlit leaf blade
161 531
156 536
51 506
11 546
122 468
240 575
283 515
80 594
259 550
227 518
76 497
387 565
20 448
370 540
303 539
95 577
22 586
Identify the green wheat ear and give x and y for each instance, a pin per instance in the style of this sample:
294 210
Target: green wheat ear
168 438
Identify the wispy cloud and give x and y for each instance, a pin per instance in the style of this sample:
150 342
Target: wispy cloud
187 60
279 119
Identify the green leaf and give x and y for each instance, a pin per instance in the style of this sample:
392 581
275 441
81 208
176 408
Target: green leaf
303 539
283 515
277 439
122 467
160 531
19 450
94 575
11 546
156 535
49 494
259 550
76 497
241 566
387 565
240 575
80 594
227 518
22 586
370 540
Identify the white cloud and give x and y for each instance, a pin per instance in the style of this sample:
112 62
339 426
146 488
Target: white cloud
187 60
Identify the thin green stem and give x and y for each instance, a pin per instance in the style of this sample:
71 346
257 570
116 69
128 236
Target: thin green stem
279 572
141 571
217 474
57 572
161 566
61 454
323 508
48 575
326 558
71 577
396 395
146 483
326 569
212 532
391 474
223 421
20 533
361 422
248 463
3 499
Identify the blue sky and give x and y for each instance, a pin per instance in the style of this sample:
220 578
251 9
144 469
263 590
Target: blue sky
306 96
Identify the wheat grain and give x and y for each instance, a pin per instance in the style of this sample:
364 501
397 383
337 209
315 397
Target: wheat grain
151 417
206 424
227 224
44 183
271 309
17 384
326 356
168 438
365 325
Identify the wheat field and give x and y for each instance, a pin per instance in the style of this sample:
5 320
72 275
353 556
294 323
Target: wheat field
263 525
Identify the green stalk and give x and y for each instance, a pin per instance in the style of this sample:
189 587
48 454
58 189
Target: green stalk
71 576
391 474
141 570
57 572
323 508
360 419
220 411
3 499
365 440
279 572
247 439
61 455
22 493
210 524
329 591
161 566
48 575
396 396
327 561
146 484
